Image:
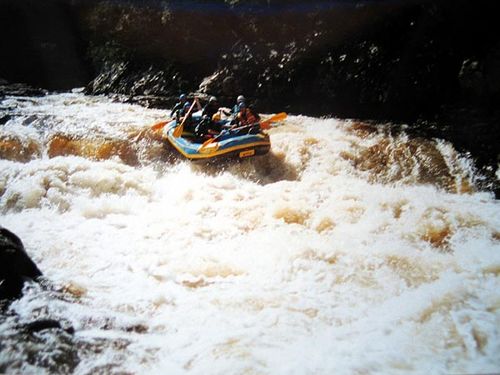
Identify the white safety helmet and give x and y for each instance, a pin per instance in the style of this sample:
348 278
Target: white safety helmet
240 99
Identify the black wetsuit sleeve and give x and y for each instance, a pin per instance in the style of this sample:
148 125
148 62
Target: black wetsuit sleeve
175 108
205 110
209 111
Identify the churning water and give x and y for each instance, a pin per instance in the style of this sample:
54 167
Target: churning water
344 251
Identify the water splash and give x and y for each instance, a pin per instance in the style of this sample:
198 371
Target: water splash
345 250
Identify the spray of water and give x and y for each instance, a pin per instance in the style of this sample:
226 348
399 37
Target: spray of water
345 250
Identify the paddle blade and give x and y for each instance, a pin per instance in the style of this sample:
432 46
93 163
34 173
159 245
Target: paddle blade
207 142
266 124
178 131
159 125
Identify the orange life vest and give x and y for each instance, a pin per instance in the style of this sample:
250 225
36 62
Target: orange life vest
247 117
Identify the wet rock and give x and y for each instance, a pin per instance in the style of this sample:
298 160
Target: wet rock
19 89
44 324
154 84
4 118
43 346
16 267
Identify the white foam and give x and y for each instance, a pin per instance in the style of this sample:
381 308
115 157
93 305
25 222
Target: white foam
312 271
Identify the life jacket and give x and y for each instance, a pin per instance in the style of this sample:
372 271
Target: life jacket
216 117
247 117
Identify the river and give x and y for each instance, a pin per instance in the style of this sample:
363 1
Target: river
348 249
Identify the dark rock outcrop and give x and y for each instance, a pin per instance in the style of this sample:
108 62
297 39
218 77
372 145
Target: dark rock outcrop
19 89
44 324
45 343
372 59
16 267
43 346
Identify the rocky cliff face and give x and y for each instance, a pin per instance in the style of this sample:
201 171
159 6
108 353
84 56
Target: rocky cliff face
437 61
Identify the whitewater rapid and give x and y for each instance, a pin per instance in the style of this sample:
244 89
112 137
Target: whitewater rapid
346 250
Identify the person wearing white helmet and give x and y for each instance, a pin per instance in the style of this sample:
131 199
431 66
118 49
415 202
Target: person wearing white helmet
177 108
246 115
207 125
211 108
240 99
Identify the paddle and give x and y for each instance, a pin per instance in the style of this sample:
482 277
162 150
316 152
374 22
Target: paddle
160 125
156 128
266 124
178 130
